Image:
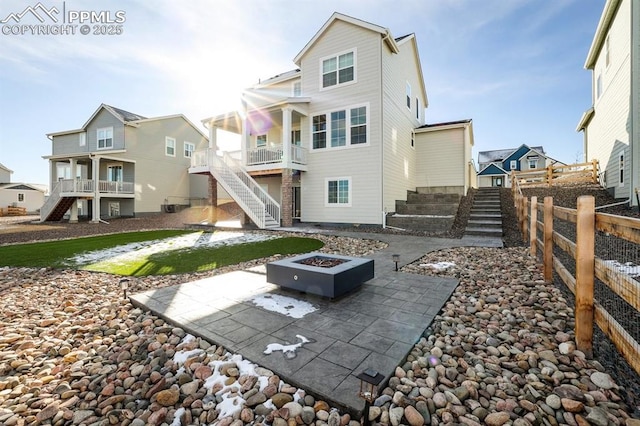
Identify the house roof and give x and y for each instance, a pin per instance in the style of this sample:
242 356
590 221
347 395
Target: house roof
600 36
388 39
445 123
23 186
2 166
585 119
287 75
501 154
492 170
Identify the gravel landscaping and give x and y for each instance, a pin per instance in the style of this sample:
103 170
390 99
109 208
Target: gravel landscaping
501 352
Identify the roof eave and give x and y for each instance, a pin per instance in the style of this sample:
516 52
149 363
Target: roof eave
604 24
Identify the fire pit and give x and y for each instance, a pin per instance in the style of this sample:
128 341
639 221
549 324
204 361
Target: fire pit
327 275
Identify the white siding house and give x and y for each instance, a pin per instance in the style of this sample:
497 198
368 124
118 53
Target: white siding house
340 136
611 125
18 194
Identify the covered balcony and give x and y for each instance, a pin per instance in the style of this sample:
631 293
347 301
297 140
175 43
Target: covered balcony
87 187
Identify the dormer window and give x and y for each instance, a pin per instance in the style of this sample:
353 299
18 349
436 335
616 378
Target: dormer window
105 138
337 70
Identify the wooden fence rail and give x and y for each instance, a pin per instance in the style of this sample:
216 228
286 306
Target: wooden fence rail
13 211
588 266
556 174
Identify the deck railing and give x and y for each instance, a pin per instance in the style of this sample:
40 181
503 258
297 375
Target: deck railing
556 174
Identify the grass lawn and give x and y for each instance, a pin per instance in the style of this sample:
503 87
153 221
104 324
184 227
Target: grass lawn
57 254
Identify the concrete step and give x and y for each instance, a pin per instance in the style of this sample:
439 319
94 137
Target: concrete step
484 223
485 216
421 222
488 232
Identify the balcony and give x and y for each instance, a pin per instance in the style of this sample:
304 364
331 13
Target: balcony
261 158
87 187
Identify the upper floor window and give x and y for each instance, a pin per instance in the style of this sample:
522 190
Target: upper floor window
413 139
408 91
297 89
105 137
82 139
338 70
417 108
261 140
189 148
169 146
598 87
513 165
340 128
533 162
607 54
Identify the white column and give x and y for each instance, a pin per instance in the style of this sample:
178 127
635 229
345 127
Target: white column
213 137
286 138
73 213
245 140
95 175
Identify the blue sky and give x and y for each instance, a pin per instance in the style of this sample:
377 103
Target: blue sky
513 66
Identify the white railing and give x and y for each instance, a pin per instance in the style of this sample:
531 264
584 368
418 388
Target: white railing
111 187
77 185
51 202
254 200
264 155
298 154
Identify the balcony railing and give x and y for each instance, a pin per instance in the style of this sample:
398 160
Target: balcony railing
275 154
87 186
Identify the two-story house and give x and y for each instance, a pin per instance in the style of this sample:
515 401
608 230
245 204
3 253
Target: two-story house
496 165
18 194
611 125
341 137
123 164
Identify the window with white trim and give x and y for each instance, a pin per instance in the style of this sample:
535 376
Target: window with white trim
297 89
82 138
189 148
417 108
338 192
513 165
105 137
261 140
533 162
598 86
169 146
413 139
408 90
339 69
341 128
20 197
607 55
621 169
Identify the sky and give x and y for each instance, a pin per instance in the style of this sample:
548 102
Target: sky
515 67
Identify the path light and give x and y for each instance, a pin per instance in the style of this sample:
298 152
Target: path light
124 285
396 259
369 381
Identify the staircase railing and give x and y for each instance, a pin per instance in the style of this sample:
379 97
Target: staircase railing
51 202
254 200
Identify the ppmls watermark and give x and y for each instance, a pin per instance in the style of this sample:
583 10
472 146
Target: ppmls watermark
40 20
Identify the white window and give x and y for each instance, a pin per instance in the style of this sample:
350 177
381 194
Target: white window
607 56
82 139
189 148
533 162
621 169
413 139
169 146
114 172
418 108
297 89
105 137
296 138
598 87
261 140
20 197
338 192
339 69
408 90
341 128
513 165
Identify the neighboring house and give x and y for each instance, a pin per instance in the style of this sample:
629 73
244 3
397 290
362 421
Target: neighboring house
17 194
612 125
122 164
496 166
340 138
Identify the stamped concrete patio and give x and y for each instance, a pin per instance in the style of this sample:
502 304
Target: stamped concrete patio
375 326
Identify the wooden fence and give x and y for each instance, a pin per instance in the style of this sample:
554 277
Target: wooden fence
556 174
538 219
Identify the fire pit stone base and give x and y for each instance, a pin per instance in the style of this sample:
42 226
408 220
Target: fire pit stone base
339 275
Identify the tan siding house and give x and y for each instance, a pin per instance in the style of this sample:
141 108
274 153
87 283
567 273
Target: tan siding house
338 136
612 125
122 164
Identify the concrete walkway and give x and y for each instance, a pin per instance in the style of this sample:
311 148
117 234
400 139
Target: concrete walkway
375 327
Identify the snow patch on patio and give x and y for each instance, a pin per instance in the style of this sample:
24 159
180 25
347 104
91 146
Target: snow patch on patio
289 351
439 266
142 249
284 305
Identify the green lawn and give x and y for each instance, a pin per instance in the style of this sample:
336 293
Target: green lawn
56 254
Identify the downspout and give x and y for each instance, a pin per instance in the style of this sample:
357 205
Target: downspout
634 101
381 121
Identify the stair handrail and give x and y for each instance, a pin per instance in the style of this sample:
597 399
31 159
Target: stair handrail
271 206
51 202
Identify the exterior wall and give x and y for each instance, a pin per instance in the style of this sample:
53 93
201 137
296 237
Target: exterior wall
399 121
5 175
272 184
160 179
608 131
441 158
366 181
33 199
635 99
266 95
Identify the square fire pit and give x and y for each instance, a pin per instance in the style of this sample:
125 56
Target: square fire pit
327 275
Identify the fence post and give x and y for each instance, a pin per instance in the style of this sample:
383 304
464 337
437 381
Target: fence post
533 227
548 239
585 265
594 176
549 175
523 218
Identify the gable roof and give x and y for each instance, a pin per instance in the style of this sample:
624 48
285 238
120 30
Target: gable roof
503 154
2 166
23 187
414 43
491 170
606 19
386 34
